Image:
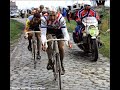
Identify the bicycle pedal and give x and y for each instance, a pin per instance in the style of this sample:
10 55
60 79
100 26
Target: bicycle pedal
38 57
49 67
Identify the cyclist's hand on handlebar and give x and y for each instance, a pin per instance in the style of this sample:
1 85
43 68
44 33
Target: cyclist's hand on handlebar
25 34
69 44
25 30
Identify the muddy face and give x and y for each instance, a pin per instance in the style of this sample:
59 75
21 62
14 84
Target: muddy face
52 16
36 20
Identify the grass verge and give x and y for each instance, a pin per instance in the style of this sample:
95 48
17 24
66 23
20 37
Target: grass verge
15 30
105 49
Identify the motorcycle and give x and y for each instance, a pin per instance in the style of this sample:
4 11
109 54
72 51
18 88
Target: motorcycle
90 36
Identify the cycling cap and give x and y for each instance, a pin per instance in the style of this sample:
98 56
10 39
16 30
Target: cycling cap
52 10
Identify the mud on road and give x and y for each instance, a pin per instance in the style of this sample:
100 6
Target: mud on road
81 73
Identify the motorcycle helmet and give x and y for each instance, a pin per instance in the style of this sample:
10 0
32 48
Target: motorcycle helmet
87 6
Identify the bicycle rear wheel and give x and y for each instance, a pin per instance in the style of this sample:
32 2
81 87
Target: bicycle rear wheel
34 53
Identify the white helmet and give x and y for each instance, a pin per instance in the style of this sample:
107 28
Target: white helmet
53 9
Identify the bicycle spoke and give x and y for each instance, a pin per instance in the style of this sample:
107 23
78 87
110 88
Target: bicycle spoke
58 70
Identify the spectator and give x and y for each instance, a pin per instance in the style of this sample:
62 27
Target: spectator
68 15
64 12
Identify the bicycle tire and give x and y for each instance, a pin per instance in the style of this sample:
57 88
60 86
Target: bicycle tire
34 54
58 69
55 68
40 48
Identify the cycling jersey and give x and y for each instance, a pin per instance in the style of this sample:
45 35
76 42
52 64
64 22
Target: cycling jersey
28 21
30 24
85 13
58 24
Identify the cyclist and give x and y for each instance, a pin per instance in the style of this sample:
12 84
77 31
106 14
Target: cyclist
54 23
33 22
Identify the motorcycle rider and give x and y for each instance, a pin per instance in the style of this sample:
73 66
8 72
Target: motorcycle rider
80 14
54 23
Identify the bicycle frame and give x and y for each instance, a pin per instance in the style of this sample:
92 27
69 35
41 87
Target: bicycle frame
34 46
56 60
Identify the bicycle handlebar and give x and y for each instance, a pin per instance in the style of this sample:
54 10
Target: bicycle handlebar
26 33
63 40
33 32
56 40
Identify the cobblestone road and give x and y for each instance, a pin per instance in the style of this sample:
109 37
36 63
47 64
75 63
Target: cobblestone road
81 74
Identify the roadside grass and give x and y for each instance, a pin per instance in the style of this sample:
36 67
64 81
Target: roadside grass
105 49
15 30
71 26
105 38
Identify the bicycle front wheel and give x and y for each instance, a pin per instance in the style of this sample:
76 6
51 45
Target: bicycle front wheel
59 70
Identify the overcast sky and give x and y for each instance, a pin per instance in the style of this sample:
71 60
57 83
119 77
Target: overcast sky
24 4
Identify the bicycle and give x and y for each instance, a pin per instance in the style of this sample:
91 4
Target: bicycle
56 60
34 46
